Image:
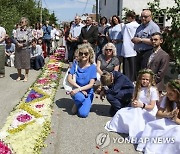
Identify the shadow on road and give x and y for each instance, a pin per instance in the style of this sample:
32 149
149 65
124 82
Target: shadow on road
66 104
14 76
101 109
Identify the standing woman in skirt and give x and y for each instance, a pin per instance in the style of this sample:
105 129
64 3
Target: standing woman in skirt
22 54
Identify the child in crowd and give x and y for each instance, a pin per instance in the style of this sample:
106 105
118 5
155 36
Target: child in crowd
132 120
43 46
10 52
118 90
168 127
37 59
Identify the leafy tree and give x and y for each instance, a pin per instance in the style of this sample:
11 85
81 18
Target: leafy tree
13 10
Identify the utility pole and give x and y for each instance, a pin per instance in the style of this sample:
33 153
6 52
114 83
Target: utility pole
97 13
118 9
40 1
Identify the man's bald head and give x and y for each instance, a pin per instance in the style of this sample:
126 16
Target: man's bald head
146 16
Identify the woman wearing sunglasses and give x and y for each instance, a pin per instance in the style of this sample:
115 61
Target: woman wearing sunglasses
83 93
107 61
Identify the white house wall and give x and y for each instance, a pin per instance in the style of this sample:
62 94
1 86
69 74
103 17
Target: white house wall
109 9
137 5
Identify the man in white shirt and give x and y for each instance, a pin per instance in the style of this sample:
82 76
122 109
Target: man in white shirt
128 53
74 37
2 52
53 37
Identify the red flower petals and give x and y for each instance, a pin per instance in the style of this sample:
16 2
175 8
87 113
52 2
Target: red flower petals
4 149
116 150
39 105
24 117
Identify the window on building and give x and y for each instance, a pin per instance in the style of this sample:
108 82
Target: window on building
105 2
160 19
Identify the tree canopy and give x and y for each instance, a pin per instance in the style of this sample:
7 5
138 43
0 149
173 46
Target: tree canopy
12 10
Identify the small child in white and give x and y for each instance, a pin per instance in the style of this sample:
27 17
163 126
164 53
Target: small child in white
132 120
164 131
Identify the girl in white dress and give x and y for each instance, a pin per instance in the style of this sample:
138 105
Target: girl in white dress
164 134
132 120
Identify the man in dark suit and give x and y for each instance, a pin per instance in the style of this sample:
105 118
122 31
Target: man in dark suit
89 33
158 60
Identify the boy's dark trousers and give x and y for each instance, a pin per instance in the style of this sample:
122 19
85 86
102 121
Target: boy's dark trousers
118 103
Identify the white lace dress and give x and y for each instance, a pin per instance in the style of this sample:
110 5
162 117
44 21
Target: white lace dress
163 136
132 120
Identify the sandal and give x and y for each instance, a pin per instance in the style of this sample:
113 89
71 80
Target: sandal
18 79
25 80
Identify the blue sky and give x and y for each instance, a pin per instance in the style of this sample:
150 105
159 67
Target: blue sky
65 10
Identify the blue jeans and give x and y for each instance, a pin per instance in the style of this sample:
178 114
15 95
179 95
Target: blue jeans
83 103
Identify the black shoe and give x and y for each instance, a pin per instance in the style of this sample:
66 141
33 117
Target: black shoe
112 112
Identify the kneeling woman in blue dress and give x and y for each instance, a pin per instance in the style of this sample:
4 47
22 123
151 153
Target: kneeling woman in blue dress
162 136
132 120
37 59
85 72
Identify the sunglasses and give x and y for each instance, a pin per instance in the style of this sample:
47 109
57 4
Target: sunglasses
145 16
108 49
83 53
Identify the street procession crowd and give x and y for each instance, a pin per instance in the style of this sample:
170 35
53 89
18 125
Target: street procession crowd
123 62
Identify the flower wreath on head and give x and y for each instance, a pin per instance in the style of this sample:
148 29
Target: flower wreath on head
149 71
175 84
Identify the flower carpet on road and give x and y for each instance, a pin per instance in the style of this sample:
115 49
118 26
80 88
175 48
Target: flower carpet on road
28 124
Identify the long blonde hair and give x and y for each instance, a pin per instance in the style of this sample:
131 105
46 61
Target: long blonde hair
138 83
174 85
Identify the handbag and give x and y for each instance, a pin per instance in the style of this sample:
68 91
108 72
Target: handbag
67 86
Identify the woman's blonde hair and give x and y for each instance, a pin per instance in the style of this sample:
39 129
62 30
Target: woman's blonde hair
88 47
138 82
112 47
24 19
174 85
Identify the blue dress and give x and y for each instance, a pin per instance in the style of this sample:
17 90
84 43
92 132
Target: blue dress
83 77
